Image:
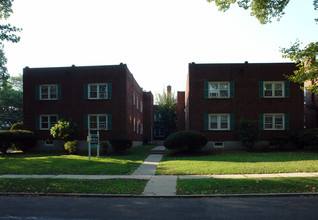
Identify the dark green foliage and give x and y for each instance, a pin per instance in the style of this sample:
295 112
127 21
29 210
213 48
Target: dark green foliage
104 146
248 133
18 140
185 141
306 138
17 126
72 147
64 130
279 142
120 144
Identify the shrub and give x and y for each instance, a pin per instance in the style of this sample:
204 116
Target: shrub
72 147
306 138
18 140
120 144
104 146
17 126
185 141
64 130
279 142
247 133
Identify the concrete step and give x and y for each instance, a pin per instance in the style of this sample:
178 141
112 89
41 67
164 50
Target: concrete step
158 150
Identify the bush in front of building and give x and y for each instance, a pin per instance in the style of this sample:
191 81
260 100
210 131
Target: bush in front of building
120 144
247 132
104 145
65 130
17 140
17 126
306 138
72 147
188 141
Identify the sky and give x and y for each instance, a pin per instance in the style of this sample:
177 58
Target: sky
156 39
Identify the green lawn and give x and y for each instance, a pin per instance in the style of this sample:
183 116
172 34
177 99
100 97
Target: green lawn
239 163
108 186
247 186
74 164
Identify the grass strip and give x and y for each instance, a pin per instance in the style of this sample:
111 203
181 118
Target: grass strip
74 164
43 185
239 163
247 186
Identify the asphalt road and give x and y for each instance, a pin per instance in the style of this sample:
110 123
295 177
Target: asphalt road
34 208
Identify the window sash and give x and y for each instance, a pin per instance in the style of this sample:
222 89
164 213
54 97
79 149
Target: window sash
219 90
274 122
219 122
47 121
97 91
97 122
48 92
274 89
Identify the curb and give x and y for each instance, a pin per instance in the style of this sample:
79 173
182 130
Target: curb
213 196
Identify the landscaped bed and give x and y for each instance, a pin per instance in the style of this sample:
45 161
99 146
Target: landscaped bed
239 163
74 164
247 186
49 185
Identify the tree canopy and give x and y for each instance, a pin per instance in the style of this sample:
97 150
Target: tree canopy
306 58
167 110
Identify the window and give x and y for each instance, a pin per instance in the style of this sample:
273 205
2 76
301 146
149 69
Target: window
274 121
218 144
48 92
97 122
134 124
141 106
219 90
141 128
47 121
137 102
159 132
219 122
273 89
97 91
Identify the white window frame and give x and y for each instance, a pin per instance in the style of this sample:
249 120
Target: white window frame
98 122
218 91
273 116
50 124
49 91
273 83
98 90
219 116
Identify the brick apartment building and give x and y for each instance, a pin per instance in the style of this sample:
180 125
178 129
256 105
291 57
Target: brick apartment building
218 95
104 98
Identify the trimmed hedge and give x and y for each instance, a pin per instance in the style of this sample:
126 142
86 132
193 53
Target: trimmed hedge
185 141
120 144
18 140
17 126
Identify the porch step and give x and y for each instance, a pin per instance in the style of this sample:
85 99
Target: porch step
158 150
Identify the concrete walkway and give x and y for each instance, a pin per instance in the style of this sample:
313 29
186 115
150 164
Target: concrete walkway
160 185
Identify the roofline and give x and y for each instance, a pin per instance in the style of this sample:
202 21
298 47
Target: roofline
73 66
245 63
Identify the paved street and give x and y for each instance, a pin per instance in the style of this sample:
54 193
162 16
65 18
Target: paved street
146 208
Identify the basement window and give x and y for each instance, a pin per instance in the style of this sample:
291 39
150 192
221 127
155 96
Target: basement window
218 144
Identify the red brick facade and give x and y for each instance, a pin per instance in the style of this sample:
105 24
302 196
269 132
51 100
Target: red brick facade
127 111
245 99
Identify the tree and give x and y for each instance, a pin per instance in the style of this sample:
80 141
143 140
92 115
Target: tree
11 103
263 10
167 110
6 34
306 58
